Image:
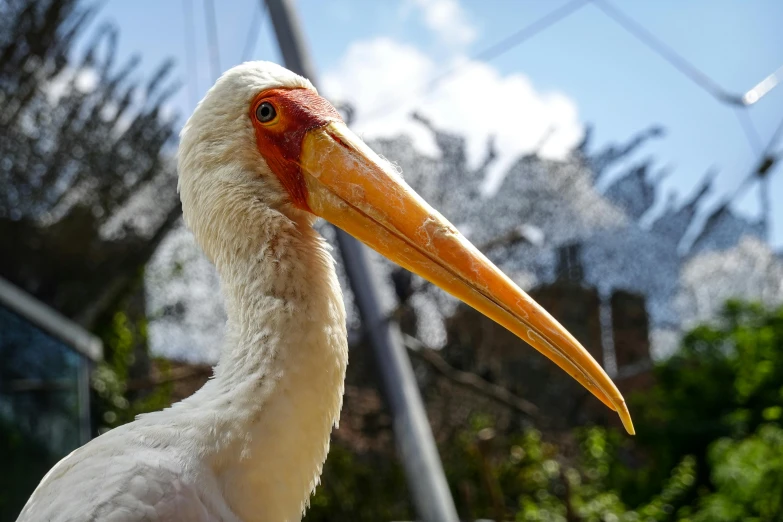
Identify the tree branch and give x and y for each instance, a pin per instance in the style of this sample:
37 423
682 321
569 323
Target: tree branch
177 374
521 233
468 380
114 288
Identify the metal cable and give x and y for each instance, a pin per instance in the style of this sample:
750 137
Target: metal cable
212 36
486 55
256 27
674 58
190 51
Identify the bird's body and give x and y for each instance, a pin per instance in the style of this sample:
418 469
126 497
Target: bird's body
261 156
250 444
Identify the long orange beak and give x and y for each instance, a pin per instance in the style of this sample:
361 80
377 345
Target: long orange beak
353 188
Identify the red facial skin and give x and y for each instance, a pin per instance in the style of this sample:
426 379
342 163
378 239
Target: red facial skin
280 141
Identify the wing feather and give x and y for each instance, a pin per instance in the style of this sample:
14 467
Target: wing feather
107 481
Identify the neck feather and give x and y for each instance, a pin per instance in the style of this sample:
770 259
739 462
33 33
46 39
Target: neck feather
265 419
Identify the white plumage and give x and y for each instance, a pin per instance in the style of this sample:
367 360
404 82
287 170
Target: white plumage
250 444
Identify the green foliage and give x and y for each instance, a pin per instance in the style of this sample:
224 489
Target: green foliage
359 488
748 477
710 448
724 383
123 338
85 146
526 478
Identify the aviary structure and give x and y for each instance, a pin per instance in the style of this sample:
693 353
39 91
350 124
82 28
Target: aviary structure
261 158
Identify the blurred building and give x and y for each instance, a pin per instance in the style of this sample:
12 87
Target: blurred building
45 364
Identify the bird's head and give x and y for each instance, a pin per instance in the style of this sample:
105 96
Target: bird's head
263 136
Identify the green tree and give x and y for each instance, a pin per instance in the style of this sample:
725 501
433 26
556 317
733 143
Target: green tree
86 175
710 447
526 477
724 383
87 178
748 478
87 191
360 487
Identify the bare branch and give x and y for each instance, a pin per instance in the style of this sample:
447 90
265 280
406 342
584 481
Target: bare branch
175 375
114 288
521 234
468 380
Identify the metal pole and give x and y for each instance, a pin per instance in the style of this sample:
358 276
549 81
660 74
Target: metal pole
412 432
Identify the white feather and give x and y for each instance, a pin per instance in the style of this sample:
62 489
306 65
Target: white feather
250 445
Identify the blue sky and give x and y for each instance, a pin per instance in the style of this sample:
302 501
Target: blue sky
585 69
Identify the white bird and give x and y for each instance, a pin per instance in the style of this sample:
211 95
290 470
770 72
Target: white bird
261 158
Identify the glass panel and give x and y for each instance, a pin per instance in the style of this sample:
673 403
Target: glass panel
39 407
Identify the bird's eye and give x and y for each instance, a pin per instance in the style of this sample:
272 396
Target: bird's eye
265 112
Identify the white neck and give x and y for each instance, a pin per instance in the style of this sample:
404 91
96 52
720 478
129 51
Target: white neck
265 419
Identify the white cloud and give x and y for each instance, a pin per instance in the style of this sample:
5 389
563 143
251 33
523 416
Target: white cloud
478 103
447 20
